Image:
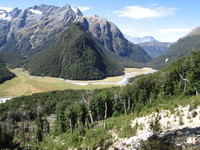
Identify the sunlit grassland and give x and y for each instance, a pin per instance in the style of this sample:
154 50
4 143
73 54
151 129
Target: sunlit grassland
24 84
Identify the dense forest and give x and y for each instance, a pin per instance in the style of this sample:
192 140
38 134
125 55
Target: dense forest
13 60
5 74
81 119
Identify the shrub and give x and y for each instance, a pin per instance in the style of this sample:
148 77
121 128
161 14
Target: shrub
128 131
194 114
155 126
95 138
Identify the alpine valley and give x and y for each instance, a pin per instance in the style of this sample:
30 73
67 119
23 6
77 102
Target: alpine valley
28 33
44 48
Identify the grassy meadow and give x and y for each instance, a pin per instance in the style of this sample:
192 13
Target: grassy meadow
24 84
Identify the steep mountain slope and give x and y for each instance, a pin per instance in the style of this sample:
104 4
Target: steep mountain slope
23 31
74 55
109 36
155 49
183 47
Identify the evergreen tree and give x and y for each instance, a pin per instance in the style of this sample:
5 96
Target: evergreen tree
39 128
60 123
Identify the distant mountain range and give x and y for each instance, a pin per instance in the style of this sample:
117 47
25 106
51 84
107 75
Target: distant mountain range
152 46
29 32
155 49
137 40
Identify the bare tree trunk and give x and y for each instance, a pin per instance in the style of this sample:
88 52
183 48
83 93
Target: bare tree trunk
129 103
116 97
70 123
98 114
87 101
86 122
150 100
91 118
185 81
197 93
105 117
79 126
124 103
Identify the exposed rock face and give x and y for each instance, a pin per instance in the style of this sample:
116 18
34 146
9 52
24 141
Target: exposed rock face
108 35
182 126
31 27
27 29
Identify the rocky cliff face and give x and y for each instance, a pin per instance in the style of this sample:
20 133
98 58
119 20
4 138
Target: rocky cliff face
108 35
31 27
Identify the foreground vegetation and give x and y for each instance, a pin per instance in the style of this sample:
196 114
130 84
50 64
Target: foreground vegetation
82 119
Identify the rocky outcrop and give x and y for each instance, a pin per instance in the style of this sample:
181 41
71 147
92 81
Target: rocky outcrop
181 125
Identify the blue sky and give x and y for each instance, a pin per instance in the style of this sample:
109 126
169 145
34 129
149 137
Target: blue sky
166 20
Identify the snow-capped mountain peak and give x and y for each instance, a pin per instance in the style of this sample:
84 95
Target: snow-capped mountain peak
137 40
4 15
7 9
36 11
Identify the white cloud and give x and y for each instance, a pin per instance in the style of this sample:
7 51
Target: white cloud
174 30
84 8
8 9
140 12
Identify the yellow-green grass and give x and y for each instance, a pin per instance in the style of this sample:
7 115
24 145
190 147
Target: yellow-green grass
26 85
119 78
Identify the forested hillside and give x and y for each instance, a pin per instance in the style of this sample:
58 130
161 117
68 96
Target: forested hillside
74 54
13 60
5 74
183 47
82 119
